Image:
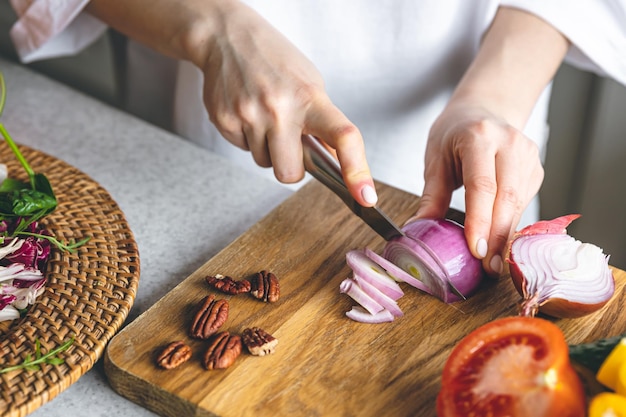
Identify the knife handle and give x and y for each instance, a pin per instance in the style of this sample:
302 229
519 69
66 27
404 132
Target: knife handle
321 164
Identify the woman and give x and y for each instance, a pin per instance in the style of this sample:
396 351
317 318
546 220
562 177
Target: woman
433 95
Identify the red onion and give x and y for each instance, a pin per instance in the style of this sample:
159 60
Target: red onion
360 314
432 256
557 274
435 252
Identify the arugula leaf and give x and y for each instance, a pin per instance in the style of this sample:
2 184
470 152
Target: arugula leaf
69 247
32 364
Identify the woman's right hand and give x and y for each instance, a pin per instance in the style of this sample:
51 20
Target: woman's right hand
260 91
262 94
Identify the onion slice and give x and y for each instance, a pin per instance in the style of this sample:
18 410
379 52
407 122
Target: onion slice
557 274
378 296
371 272
350 288
396 272
362 315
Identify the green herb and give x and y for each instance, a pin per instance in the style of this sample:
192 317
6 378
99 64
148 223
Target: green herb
18 199
27 202
50 358
69 247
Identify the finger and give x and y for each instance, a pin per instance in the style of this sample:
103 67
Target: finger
479 179
328 123
235 135
257 144
230 126
514 193
285 149
506 212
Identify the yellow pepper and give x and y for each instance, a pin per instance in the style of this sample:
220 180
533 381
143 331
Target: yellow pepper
607 404
610 374
620 385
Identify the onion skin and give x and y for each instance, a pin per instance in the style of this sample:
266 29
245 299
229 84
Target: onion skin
545 261
436 250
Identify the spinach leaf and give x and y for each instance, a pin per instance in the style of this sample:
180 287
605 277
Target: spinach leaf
10 184
26 203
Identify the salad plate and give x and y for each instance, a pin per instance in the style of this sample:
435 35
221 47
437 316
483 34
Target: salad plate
87 296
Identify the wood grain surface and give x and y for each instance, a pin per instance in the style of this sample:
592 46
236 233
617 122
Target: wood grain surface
325 364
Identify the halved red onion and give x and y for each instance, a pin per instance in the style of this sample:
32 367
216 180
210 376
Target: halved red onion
360 314
435 252
557 274
432 256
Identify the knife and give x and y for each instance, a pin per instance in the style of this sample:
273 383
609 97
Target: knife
319 162
324 167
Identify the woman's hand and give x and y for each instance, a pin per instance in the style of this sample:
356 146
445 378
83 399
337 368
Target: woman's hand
260 91
477 140
499 167
262 94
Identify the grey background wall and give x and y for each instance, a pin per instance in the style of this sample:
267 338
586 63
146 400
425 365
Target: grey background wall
585 161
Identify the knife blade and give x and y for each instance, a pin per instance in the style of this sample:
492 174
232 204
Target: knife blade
319 162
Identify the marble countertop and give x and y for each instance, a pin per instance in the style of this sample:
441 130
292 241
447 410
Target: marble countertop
145 169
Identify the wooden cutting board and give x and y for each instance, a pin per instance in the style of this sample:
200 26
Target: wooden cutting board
325 364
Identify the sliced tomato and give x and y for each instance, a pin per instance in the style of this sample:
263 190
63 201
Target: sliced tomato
514 367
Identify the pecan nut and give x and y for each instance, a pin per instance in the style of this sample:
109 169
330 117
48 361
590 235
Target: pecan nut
258 341
173 355
265 286
222 351
209 317
228 285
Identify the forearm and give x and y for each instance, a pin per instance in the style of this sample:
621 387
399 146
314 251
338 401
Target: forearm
172 27
518 57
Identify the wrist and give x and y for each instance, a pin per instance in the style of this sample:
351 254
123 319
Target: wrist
510 72
199 34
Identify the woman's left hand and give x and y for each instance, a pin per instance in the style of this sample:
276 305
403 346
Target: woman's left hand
500 168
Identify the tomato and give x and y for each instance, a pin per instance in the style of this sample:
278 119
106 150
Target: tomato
514 367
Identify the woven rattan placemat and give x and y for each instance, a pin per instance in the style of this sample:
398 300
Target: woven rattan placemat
88 293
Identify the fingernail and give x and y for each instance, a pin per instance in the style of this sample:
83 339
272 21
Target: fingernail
369 194
496 263
481 247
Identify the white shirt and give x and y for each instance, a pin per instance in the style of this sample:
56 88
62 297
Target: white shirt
389 65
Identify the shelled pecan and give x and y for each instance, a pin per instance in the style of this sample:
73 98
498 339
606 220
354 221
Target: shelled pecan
265 286
228 285
258 341
223 349
173 355
209 317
